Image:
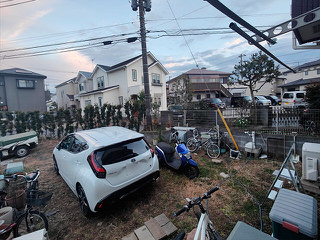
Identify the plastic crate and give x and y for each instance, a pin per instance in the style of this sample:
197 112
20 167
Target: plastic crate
294 216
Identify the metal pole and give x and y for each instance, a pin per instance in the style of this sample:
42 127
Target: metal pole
145 64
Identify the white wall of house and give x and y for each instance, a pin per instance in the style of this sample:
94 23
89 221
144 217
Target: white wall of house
119 77
63 100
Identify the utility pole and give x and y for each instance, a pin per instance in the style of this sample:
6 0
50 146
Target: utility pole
144 5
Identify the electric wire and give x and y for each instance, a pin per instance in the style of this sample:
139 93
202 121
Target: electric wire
15 4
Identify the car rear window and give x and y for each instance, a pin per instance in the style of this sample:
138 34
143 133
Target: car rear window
300 95
288 95
120 152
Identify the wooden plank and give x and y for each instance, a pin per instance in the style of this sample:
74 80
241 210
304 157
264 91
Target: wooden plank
143 233
155 229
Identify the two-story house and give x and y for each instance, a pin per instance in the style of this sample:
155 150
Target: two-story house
65 93
307 73
123 81
197 84
22 90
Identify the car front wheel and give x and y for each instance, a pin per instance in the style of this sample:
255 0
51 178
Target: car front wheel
21 151
84 206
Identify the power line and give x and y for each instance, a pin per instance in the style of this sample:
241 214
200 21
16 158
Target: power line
64 43
15 4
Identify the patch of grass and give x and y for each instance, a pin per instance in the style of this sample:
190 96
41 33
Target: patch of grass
268 170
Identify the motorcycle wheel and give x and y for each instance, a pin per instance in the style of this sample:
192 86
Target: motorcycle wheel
192 145
192 171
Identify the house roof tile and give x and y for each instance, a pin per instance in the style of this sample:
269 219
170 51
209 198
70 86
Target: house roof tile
301 82
21 72
66 82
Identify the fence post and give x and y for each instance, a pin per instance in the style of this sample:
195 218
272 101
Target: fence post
277 121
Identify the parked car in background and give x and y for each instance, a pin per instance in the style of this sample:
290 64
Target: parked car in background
240 101
262 101
294 99
105 164
214 103
274 100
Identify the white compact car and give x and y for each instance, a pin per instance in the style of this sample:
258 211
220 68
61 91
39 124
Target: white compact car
105 164
262 101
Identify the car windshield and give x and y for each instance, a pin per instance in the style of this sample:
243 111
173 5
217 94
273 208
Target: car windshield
176 107
216 100
122 151
288 95
261 98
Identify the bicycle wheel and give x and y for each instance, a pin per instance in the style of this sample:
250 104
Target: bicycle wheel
192 144
213 150
30 222
211 233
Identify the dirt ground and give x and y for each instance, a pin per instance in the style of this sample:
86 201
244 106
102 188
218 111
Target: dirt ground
234 202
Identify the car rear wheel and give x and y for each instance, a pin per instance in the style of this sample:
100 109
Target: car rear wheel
21 151
84 206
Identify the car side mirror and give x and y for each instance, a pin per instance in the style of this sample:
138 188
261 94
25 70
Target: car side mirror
58 147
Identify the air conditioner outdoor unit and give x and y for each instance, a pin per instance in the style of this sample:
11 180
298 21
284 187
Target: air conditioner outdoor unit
311 161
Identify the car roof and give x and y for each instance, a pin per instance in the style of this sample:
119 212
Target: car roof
106 136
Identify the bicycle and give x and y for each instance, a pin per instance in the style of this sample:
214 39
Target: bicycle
205 229
31 220
210 144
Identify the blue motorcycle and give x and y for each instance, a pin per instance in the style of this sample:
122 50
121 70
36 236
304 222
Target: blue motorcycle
166 155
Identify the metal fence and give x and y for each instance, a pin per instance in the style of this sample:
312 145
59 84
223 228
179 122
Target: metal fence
272 120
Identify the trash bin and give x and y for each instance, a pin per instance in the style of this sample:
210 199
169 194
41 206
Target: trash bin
294 216
243 231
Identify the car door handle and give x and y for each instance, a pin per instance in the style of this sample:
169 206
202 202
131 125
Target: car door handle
133 160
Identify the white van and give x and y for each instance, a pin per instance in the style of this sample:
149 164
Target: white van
294 99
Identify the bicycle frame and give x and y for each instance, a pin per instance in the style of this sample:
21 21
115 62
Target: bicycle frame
202 227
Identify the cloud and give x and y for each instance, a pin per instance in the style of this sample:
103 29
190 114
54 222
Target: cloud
26 23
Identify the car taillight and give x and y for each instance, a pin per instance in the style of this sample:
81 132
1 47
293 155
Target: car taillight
96 167
294 101
152 152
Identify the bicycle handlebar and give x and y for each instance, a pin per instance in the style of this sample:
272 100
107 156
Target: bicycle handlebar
196 201
28 179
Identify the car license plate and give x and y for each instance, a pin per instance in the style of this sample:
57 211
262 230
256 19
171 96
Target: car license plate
287 103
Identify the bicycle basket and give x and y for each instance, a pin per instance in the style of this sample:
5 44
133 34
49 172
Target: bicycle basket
38 197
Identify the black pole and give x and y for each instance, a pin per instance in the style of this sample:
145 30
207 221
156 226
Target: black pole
145 64
235 28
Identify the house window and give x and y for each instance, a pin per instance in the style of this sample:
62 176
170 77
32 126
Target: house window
87 102
156 78
134 75
306 73
62 93
25 83
318 71
142 79
208 95
100 81
100 101
81 87
121 100
199 97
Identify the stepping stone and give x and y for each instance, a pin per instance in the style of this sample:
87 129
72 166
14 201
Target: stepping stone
131 236
143 233
155 229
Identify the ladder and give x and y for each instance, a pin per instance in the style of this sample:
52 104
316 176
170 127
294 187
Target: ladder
286 172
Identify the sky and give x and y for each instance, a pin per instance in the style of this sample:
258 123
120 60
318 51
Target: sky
182 35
